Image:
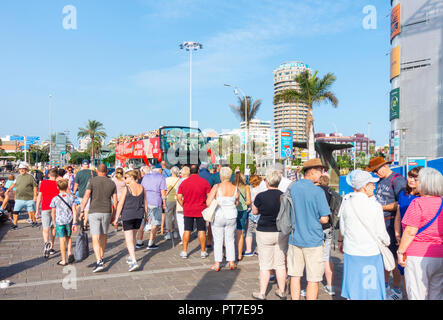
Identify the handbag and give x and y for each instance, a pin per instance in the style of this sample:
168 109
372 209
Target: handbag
388 257
81 251
209 213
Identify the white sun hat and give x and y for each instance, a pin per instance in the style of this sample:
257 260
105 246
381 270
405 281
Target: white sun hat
357 179
23 165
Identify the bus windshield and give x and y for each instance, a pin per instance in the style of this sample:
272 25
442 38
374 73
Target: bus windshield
181 145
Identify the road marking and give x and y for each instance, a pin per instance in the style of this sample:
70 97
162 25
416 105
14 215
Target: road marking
120 275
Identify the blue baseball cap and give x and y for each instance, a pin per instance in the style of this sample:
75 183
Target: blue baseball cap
85 161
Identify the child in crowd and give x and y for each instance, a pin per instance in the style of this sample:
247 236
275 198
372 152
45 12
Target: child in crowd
64 212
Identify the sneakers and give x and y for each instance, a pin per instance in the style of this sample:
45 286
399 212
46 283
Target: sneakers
147 228
34 224
46 249
248 254
14 227
29 221
303 293
128 260
52 251
175 235
152 247
168 236
281 295
133 266
395 294
139 246
258 296
99 266
184 255
329 290
204 255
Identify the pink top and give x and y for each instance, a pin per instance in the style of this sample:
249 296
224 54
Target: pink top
428 243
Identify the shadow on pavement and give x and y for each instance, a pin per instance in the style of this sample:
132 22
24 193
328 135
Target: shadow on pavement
214 285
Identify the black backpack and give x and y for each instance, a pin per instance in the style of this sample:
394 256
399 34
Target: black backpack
334 205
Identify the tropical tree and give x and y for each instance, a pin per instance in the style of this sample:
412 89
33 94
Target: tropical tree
312 91
96 132
246 110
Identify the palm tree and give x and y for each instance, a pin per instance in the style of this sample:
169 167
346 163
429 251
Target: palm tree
312 91
251 108
95 131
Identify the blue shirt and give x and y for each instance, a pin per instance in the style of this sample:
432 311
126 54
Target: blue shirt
404 201
309 206
205 174
166 172
215 179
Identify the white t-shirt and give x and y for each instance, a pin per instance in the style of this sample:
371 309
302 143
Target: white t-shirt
283 186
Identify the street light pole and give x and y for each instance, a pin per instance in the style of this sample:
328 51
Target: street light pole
236 89
50 128
189 46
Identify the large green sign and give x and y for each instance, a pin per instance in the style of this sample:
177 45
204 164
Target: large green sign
394 110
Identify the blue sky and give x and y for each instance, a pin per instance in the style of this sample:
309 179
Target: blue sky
123 66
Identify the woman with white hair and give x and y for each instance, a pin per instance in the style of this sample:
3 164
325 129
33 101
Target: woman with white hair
421 247
225 220
271 244
361 219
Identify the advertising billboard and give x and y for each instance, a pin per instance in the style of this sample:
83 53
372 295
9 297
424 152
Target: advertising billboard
395 21
394 110
416 162
395 62
286 143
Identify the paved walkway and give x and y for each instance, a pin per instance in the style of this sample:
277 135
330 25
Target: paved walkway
163 275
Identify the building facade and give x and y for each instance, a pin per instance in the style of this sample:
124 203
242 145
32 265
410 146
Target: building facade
416 97
260 134
290 116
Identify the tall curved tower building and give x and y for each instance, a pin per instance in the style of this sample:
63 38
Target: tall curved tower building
289 116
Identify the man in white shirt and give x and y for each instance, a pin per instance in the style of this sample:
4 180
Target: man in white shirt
284 183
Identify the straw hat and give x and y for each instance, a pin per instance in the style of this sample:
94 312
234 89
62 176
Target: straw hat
376 163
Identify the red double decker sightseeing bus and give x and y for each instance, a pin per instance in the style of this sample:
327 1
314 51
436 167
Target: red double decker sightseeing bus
172 144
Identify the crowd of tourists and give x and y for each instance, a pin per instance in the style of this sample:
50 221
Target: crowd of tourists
386 214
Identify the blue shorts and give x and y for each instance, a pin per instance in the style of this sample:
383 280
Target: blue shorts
29 205
241 220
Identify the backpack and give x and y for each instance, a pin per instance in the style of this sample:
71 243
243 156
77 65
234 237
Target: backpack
334 205
284 217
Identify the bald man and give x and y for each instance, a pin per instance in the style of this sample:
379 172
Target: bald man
103 194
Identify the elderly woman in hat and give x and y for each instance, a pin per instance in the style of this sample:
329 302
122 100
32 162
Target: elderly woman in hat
361 216
25 195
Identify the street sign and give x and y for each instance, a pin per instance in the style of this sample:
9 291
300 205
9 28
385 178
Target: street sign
16 138
33 138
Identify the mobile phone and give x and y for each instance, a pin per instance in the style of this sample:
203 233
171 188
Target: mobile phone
404 257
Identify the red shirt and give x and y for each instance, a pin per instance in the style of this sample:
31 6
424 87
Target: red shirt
49 190
428 243
194 191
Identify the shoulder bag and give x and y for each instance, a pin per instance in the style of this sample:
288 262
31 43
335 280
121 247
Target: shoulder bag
209 213
388 257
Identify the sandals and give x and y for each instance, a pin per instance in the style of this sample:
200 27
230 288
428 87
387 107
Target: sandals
215 268
232 266
61 264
